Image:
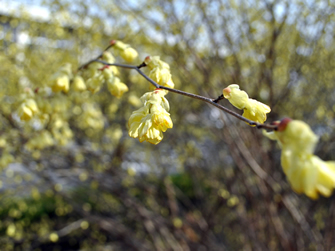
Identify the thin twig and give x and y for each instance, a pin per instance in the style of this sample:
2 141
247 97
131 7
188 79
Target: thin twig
191 95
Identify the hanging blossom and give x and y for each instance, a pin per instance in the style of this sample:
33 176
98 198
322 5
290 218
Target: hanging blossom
114 84
305 172
253 109
159 71
128 53
150 121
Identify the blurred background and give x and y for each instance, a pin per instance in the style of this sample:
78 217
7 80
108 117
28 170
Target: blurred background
213 183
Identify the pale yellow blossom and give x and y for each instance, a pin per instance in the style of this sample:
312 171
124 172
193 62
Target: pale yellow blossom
305 172
94 83
150 121
78 84
116 87
61 83
235 96
109 58
253 109
129 54
297 136
308 174
27 109
160 71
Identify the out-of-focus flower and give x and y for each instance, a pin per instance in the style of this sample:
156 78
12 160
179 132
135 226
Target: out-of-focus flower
95 82
296 135
109 58
160 71
42 140
128 53
116 87
60 81
149 122
306 172
253 109
78 84
91 117
61 131
27 109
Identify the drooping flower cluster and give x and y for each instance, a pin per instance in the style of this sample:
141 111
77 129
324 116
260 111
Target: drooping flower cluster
97 74
150 121
306 172
253 109
159 71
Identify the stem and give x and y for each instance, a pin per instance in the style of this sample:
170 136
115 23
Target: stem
210 101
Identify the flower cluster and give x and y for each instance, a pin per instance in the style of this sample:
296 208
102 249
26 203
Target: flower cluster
306 172
150 121
159 71
253 109
97 74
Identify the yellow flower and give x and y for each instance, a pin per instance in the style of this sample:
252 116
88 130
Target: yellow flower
306 172
126 52
235 96
253 109
95 82
297 136
161 76
129 54
108 57
119 45
61 83
27 109
116 87
309 174
78 84
154 62
160 71
149 122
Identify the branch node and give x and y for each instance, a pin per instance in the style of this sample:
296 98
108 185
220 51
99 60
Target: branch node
218 98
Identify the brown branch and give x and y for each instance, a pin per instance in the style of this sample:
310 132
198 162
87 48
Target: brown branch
191 95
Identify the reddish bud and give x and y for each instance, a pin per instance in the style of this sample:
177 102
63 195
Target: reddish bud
104 67
226 91
36 90
157 90
283 124
112 42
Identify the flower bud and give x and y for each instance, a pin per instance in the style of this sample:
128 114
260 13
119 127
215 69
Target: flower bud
129 54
